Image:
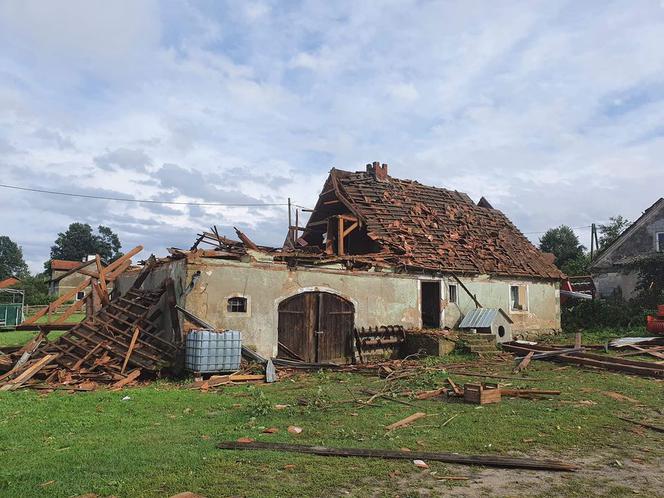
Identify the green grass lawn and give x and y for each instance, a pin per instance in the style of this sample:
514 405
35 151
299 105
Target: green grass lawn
597 336
20 337
162 440
73 318
9 337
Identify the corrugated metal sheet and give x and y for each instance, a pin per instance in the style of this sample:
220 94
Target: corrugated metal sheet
479 318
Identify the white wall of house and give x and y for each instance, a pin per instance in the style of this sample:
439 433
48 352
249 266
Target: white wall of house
380 298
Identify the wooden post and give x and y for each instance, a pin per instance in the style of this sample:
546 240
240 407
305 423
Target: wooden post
577 340
340 237
290 225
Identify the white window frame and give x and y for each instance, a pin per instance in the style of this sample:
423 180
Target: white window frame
525 307
658 248
237 314
449 294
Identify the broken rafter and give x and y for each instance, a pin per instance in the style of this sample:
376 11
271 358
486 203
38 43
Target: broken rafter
246 240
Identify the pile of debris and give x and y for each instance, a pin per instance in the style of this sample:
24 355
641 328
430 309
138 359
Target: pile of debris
577 356
114 347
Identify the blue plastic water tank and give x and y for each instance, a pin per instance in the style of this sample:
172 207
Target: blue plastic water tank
209 351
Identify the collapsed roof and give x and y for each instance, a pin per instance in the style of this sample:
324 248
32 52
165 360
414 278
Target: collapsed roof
412 225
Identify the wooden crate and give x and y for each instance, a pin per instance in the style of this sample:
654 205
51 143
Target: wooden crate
481 394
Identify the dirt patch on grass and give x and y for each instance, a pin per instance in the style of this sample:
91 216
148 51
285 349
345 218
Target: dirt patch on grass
605 474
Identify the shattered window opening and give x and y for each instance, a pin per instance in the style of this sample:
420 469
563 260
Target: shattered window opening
237 305
518 298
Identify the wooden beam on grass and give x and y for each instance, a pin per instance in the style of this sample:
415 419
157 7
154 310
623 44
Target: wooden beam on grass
481 460
406 421
643 424
524 363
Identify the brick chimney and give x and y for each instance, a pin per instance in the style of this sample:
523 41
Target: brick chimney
377 171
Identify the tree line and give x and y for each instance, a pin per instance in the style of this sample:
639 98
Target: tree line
74 244
570 255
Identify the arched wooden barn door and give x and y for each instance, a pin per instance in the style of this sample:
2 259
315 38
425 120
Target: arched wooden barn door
315 327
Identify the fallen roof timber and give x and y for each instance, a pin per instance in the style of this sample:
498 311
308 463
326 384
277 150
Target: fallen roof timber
642 368
488 461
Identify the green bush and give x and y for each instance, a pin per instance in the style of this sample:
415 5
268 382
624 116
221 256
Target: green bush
600 313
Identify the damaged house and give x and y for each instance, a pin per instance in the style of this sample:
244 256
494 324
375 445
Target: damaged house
376 251
641 239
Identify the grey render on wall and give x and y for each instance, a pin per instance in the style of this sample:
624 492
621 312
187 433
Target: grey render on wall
642 238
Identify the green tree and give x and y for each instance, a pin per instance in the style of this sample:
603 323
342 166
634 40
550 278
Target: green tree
79 241
577 266
35 288
611 231
650 283
11 259
563 243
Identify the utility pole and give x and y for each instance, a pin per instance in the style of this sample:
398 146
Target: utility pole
592 241
290 225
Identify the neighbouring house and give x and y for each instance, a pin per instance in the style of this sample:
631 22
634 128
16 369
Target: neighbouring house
375 251
69 275
644 237
8 282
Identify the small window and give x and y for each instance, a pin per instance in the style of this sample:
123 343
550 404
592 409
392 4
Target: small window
453 296
518 298
660 242
237 305
80 295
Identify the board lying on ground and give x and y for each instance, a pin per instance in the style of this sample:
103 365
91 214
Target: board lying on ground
487 461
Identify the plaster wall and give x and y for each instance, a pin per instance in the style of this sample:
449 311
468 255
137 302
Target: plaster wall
616 283
378 298
543 303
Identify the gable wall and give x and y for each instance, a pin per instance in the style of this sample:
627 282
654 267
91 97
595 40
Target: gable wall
608 277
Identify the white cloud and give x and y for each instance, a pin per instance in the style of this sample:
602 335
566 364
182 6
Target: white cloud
553 110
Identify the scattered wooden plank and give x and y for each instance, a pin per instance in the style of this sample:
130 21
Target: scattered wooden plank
28 373
492 376
130 350
643 368
619 397
529 392
643 424
457 390
524 363
431 394
132 376
406 421
487 461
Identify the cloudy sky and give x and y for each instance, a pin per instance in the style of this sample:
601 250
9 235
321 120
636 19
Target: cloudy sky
553 110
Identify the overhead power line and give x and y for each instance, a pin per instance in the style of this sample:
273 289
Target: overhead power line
544 231
182 203
146 201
